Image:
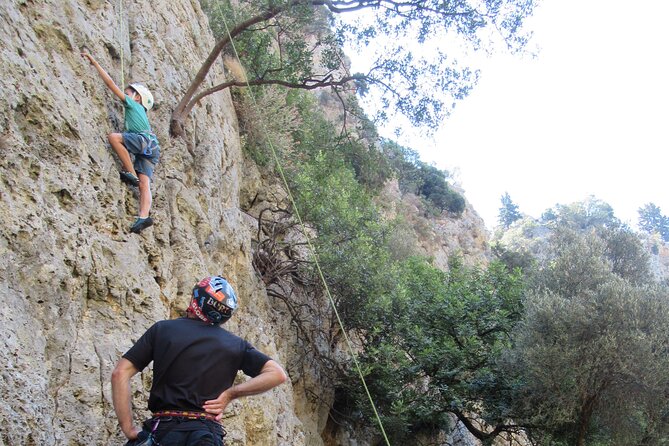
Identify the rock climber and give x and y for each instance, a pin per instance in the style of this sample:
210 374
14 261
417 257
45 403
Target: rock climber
137 139
195 362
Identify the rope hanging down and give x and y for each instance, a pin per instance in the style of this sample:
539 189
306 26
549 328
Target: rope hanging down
312 250
119 30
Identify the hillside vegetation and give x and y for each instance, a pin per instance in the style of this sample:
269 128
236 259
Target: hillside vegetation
544 340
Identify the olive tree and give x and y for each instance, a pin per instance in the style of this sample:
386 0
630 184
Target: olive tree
592 347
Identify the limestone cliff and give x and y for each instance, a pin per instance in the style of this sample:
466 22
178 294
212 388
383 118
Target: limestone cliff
438 237
77 288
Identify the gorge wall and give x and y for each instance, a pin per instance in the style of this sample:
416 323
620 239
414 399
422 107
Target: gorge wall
77 288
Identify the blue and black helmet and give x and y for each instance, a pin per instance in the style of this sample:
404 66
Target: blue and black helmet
213 301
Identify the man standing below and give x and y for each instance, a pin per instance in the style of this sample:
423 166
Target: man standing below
194 366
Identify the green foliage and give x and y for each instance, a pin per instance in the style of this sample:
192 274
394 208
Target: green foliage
267 121
333 181
317 134
591 212
508 213
422 179
626 255
589 351
436 343
351 235
435 189
283 39
429 340
521 259
652 220
591 346
257 46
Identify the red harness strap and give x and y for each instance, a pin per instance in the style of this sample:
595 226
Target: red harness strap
185 414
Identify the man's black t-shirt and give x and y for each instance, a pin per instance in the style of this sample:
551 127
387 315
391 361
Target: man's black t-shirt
192 362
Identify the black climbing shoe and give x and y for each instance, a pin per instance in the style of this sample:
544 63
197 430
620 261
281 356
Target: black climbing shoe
129 178
140 224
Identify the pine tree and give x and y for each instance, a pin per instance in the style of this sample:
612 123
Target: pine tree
508 213
651 220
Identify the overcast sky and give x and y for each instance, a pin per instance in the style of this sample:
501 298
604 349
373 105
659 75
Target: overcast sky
588 116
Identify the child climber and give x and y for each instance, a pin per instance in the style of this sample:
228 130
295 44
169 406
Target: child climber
136 139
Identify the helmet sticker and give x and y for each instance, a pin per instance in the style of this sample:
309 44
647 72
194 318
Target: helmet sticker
213 300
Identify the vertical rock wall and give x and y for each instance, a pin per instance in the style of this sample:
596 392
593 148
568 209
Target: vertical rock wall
76 287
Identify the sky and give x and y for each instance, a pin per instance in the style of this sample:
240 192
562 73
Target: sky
587 116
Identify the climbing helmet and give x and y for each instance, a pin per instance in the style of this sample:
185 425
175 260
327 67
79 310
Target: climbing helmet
213 300
144 94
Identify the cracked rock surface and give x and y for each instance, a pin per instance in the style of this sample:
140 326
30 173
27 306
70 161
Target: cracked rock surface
77 287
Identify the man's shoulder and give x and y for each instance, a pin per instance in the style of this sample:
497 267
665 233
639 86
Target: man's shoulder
199 326
171 324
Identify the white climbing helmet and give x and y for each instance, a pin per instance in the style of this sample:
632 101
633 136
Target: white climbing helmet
144 94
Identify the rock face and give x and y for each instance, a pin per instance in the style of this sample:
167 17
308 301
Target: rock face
438 237
77 288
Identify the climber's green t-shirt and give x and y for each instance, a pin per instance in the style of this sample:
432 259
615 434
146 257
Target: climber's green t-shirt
136 120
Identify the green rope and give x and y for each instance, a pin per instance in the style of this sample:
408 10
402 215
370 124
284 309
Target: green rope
120 39
306 235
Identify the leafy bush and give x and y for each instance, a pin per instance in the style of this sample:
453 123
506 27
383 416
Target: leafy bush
591 345
432 345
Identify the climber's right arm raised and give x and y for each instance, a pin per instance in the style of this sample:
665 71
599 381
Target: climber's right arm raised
105 77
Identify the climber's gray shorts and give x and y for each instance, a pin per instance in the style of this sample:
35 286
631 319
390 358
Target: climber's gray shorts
145 150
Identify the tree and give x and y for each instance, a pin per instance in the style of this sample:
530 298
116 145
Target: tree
432 345
422 179
435 189
508 213
591 212
270 40
592 347
651 220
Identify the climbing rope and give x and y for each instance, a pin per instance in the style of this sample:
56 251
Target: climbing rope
120 39
312 250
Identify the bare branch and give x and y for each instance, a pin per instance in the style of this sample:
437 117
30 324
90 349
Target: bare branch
307 84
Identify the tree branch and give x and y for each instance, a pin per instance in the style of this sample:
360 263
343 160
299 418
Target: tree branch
480 434
307 84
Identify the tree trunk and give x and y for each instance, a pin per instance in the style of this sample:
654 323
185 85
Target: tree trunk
584 419
181 110
189 99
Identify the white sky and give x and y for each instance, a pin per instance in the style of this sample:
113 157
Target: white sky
588 116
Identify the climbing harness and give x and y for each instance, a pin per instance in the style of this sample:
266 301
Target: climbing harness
171 417
151 439
312 250
202 416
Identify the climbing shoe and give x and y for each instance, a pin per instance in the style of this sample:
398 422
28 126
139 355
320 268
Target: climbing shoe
141 224
129 178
